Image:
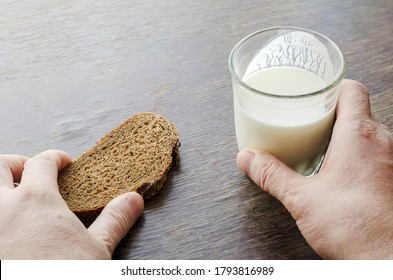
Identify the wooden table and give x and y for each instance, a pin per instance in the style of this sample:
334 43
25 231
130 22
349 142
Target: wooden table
72 70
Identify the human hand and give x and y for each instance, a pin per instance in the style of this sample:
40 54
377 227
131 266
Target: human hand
346 210
36 223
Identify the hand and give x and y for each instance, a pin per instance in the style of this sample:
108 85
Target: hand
346 210
36 223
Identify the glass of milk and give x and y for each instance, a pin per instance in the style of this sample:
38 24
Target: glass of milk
285 87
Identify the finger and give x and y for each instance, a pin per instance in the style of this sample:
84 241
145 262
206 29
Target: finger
353 106
43 168
11 168
376 121
272 175
353 101
116 219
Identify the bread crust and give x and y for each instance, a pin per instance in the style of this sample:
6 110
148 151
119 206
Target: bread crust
139 153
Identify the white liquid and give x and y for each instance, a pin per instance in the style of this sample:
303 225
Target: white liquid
297 136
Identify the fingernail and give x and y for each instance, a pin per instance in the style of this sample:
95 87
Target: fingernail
245 159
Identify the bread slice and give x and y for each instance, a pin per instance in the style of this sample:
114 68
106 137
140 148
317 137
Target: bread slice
135 156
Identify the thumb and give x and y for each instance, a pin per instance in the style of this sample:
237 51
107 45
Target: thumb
271 175
116 219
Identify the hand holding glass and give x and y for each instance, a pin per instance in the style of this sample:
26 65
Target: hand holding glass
285 85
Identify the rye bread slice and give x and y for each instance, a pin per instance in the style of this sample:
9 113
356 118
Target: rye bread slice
135 156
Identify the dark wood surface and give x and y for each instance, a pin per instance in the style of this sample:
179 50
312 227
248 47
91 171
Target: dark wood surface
72 70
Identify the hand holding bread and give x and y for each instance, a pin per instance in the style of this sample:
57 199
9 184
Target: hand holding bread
134 157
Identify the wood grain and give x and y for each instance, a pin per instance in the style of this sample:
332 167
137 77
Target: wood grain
70 71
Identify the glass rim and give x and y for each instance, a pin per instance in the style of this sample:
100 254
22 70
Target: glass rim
314 93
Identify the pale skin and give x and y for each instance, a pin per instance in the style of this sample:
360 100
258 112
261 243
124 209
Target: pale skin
36 223
346 210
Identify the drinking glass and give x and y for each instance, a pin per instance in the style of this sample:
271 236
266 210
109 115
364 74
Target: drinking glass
285 87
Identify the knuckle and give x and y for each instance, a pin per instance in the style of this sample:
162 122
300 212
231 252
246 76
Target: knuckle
118 229
357 86
121 221
33 192
266 174
375 133
368 129
46 156
273 178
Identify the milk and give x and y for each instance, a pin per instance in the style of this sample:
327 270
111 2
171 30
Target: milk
296 131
